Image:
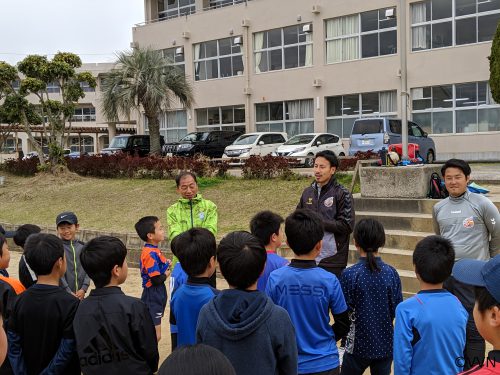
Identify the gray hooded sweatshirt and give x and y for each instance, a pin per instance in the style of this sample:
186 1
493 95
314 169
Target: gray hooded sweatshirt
471 222
75 277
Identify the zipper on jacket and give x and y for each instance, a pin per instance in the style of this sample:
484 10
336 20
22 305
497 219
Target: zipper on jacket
74 263
191 207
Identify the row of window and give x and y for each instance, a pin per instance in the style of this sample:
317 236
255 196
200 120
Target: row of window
168 9
54 88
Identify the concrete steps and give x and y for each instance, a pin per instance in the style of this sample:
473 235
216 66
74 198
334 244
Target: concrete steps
418 222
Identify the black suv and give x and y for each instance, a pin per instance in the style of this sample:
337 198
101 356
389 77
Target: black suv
211 144
130 144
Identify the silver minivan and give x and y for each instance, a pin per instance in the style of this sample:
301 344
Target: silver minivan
376 133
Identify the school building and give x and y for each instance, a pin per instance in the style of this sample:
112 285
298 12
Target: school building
302 66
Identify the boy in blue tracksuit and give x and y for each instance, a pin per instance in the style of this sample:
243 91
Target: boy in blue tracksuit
178 277
266 226
429 334
196 250
309 294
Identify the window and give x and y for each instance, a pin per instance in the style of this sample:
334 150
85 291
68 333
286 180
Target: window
81 144
285 48
9 146
221 118
459 108
175 57
86 87
361 35
444 23
218 59
53 88
341 111
173 125
84 114
293 117
174 8
224 3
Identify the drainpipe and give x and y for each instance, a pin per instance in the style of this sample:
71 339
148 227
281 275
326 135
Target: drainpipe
404 74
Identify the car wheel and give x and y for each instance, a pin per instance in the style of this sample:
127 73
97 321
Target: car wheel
341 154
309 161
430 157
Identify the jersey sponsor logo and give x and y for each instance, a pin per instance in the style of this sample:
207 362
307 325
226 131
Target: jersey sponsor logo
468 222
329 202
456 212
201 215
301 290
493 222
309 201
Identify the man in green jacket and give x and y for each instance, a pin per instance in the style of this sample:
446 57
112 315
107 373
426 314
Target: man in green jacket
191 210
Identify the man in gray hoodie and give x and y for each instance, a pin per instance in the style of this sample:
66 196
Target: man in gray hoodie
472 223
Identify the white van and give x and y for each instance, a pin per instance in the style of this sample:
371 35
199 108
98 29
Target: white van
261 143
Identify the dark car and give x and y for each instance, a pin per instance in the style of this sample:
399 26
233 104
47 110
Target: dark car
211 144
130 144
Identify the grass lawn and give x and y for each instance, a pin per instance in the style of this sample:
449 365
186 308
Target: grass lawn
116 205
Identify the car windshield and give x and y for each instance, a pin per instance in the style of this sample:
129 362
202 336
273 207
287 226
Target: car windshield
195 137
118 142
367 127
246 139
299 140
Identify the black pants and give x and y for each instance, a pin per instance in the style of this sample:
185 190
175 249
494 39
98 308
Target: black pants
475 346
355 365
333 371
336 270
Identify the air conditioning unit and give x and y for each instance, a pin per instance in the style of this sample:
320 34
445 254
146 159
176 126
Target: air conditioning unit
245 22
238 41
247 91
179 51
316 9
134 45
390 13
307 28
186 34
317 82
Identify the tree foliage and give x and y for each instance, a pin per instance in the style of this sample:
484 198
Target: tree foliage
32 104
495 67
144 79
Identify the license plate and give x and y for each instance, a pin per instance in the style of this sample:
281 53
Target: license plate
169 154
366 142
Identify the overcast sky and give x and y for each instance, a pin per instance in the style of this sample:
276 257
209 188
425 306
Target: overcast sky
94 29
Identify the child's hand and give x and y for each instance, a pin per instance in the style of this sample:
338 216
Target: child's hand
80 294
168 272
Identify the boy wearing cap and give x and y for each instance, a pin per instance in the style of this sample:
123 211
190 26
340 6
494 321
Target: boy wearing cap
485 276
75 279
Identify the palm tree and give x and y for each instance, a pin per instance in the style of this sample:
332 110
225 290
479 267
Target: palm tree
143 78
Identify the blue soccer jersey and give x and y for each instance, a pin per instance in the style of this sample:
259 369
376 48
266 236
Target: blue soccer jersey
273 262
309 293
177 278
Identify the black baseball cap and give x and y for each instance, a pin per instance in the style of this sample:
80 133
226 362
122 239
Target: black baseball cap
7 233
66 217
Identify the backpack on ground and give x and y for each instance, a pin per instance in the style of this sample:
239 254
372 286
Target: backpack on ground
437 190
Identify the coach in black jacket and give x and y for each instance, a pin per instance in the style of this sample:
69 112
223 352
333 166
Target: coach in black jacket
334 204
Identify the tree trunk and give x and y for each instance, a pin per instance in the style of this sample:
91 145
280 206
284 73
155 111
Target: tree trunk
154 134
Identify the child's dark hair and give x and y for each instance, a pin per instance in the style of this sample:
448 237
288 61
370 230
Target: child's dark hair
456 163
433 258
242 258
42 251
303 229
144 226
100 255
173 246
199 359
23 232
183 174
264 224
194 249
484 299
2 241
330 156
370 236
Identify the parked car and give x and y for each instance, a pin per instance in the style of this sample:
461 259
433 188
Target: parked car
305 146
77 154
260 143
210 143
376 133
130 144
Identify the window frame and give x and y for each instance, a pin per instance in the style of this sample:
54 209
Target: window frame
218 58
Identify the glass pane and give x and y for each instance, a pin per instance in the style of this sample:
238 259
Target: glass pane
482 93
213 116
421 38
262 112
262 127
442 122
306 127
225 67
350 105
420 12
224 46
239 115
276 111
290 35
200 71
441 35
274 37
210 48
347 128
442 96
369 45
421 98
291 57
384 22
441 9
369 21
388 43
292 128
484 6
201 117
489 119
276 127
276 62
334 126
466 95
463 7
212 69
305 55
263 65
369 102
466 121
466 31
424 120
227 115
334 106
237 65
487 27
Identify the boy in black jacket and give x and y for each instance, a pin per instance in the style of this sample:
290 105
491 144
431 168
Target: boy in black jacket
114 332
